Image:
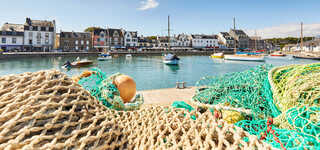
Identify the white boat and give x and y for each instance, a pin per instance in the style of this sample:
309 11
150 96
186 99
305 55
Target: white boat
103 57
128 56
244 57
171 59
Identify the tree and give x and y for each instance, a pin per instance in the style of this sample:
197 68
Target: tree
91 29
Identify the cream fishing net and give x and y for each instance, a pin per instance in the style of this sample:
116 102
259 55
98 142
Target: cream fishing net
47 110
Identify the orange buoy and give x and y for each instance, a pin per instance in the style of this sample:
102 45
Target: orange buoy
126 87
86 74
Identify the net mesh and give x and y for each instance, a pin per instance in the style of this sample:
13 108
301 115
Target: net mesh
47 110
288 94
100 86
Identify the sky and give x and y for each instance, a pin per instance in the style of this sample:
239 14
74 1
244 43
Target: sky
265 18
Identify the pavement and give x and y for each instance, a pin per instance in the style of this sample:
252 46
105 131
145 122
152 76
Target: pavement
167 96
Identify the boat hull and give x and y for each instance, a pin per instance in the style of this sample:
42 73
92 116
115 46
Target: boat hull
104 58
171 62
217 55
306 57
81 64
244 58
278 55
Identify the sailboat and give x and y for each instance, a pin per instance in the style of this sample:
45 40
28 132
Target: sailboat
170 59
305 55
244 56
106 55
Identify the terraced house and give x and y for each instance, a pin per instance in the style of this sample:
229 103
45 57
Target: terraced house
11 37
241 38
108 38
74 41
39 35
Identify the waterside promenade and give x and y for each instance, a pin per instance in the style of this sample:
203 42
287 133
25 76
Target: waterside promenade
119 53
168 96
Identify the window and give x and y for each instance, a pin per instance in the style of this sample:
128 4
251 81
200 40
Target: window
128 40
4 40
38 38
30 34
43 28
14 40
76 42
82 42
30 42
77 48
87 47
47 38
88 42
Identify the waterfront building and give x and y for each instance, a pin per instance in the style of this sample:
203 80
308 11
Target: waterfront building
39 35
74 41
204 41
163 41
183 40
242 39
130 39
225 39
255 42
289 47
108 38
11 37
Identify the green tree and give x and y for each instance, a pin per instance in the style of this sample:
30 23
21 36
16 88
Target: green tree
91 29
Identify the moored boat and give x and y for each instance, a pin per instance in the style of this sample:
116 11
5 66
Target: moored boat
128 56
81 63
217 55
244 57
307 56
278 54
171 59
103 57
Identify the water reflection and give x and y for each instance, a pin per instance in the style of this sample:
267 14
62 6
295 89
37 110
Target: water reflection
174 68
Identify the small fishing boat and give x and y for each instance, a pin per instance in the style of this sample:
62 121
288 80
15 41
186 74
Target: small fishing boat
79 63
103 57
128 56
244 57
217 55
278 54
171 59
307 56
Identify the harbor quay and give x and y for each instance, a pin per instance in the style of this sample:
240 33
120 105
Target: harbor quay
119 53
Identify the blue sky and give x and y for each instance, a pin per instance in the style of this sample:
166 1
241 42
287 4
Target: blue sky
149 17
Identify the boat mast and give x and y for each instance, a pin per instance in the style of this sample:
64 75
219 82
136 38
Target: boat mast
301 43
234 29
109 39
169 32
255 39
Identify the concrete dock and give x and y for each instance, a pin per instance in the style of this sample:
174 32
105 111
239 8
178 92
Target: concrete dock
167 96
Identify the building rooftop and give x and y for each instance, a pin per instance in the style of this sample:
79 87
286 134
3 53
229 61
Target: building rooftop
75 34
12 27
41 23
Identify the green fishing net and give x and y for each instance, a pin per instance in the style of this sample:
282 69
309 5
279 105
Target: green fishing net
100 86
288 94
245 90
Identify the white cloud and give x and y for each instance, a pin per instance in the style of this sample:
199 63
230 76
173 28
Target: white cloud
286 30
148 4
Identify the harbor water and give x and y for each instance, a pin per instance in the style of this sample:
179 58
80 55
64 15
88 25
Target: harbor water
148 72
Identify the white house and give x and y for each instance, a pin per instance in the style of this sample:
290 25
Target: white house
183 40
226 39
11 37
204 41
39 35
130 39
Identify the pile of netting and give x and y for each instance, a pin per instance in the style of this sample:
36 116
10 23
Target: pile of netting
101 86
246 99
